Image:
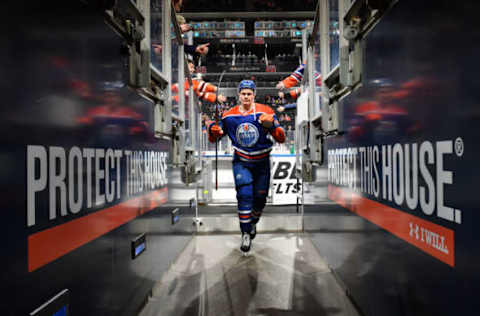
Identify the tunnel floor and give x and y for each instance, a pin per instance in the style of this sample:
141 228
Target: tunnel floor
282 275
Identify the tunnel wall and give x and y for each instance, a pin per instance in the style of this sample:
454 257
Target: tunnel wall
407 166
81 173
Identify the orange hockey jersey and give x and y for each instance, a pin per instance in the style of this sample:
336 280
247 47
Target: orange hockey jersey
204 90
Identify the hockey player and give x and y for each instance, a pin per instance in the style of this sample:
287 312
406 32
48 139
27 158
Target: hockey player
248 126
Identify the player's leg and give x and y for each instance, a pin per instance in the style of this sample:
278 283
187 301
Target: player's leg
244 186
261 184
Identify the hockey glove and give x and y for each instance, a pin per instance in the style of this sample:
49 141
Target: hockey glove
266 120
216 132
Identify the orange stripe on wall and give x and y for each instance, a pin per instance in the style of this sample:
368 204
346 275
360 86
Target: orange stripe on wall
53 243
433 239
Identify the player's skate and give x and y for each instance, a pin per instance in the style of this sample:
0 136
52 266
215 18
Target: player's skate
246 243
253 232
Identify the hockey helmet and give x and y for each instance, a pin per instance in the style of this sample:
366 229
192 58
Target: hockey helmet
247 84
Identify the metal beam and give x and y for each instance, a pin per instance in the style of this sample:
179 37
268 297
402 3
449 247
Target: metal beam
249 15
243 74
258 88
167 63
324 12
181 82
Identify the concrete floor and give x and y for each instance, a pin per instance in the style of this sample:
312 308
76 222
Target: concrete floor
283 275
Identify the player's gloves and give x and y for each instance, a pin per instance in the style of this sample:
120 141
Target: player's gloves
216 131
266 120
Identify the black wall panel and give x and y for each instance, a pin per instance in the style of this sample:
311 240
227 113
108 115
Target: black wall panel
63 90
418 94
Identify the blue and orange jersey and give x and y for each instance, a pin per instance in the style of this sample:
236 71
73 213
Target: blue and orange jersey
297 76
248 136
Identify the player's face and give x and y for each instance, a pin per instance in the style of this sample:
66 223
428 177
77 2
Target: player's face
246 97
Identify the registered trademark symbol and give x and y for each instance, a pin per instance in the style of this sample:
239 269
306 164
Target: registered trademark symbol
459 147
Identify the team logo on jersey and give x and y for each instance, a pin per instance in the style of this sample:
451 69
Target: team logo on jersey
247 134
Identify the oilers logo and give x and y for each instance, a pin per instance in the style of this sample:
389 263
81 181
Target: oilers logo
247 134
